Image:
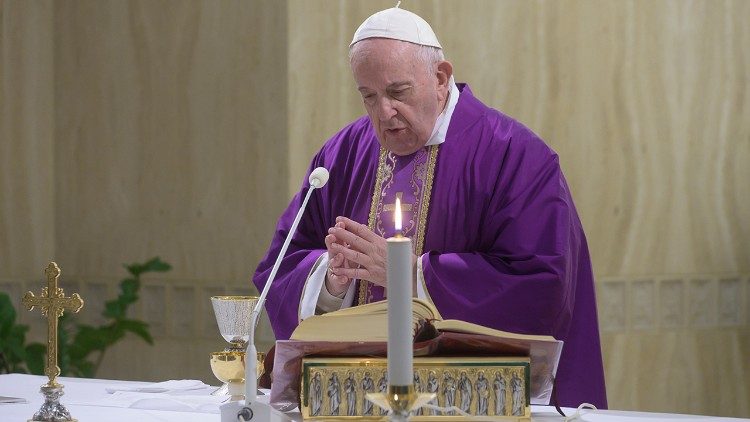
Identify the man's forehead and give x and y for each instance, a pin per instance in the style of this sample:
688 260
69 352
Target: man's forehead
377 63
383 47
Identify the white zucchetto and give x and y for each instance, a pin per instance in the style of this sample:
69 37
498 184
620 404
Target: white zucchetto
397 24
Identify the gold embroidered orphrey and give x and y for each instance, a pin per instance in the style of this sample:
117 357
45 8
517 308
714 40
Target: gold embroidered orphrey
421 219
52 302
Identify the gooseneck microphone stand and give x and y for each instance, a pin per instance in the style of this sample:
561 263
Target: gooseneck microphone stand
252 409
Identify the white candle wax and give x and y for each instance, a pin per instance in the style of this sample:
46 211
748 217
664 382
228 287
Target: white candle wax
399 274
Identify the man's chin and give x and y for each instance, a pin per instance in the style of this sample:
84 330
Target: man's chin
403 153
400 147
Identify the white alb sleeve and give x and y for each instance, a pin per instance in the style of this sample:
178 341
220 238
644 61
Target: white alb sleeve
421 287
313 285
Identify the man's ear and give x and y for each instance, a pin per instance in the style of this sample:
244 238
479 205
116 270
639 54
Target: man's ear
444 72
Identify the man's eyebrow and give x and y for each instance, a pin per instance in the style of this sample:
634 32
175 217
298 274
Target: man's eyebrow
399 84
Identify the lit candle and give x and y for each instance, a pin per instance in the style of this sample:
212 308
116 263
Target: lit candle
397 217
399 273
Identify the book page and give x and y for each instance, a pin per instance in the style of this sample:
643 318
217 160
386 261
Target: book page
359 323
470 328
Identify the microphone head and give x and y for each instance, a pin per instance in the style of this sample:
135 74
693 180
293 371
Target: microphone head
318 177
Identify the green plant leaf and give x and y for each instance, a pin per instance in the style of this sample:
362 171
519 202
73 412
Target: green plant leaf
89 339
114 309
18 332
85 369
113 333
134 269
35 354
63 350
153 265
15 352
138 328
128 292
7 315
129 287
14 343
156 265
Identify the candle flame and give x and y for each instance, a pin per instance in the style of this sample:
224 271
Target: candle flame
397 215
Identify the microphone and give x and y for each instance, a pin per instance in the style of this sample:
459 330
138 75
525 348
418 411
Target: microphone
318 178
232 411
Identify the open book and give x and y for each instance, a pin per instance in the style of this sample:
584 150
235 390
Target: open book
363 331
370 323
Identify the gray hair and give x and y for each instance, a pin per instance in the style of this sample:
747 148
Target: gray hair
428 55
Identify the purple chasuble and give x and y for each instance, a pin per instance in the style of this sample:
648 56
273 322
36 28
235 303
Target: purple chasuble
503 245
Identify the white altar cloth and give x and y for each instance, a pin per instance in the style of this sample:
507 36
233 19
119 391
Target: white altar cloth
80 390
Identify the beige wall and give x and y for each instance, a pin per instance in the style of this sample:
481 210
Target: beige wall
646 103
131 129
136 129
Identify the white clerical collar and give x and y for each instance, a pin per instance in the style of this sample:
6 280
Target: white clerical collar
444 119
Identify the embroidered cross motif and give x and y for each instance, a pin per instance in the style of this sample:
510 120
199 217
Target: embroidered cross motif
391 207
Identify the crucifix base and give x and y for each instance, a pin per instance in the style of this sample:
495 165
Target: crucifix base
52 410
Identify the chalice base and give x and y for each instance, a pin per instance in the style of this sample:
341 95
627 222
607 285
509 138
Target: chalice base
224 390
52 410
221 390
236 390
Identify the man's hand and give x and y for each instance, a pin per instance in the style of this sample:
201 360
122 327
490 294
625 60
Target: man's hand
367 252
336 284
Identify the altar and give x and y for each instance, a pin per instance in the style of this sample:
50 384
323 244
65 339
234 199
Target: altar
88 400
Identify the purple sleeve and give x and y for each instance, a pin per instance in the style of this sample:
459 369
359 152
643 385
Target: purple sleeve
347 193
506 250
283 300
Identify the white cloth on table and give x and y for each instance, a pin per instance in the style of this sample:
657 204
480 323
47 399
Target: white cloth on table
91 391
171 386
160 401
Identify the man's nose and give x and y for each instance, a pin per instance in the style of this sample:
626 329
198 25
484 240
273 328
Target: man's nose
386 111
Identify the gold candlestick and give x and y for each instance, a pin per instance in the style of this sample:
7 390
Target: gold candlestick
400 401
52 303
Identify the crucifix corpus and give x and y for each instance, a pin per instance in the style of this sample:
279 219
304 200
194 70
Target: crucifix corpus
52 303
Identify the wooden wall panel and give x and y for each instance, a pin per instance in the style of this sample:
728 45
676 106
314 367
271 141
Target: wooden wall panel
171 141
685 371
27 126
134 129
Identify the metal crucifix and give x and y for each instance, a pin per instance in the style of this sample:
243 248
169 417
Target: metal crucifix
53 303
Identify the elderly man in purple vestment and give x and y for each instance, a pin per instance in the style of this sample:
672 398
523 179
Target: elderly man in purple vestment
497 240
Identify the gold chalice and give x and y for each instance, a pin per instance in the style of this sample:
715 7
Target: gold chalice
233 318
229 368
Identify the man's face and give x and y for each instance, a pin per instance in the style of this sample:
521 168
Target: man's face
403 99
